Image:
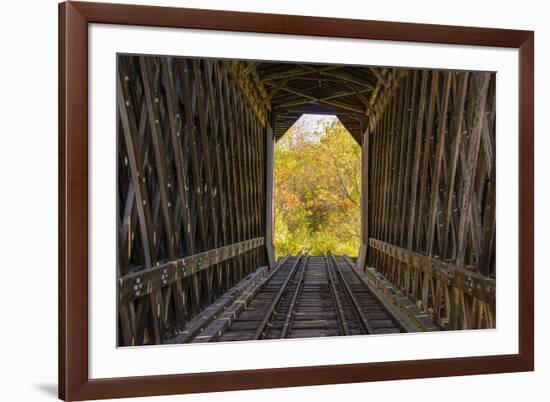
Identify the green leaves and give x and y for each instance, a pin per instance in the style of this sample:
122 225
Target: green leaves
317 189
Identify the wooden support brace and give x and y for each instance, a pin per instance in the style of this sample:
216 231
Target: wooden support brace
138 284
471 283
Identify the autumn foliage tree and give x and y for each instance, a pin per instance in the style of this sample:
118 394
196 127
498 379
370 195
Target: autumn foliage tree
317 189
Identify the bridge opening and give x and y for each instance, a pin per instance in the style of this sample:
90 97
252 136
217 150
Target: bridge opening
215 202
317 188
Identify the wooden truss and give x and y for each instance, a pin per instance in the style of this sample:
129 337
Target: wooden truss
195 177
430 214
191 192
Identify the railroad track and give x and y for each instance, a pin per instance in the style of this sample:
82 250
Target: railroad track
312 296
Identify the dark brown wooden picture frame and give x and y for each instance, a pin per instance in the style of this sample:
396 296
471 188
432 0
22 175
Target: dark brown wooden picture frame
74 382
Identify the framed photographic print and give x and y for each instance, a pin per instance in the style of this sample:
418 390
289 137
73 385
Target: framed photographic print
259 200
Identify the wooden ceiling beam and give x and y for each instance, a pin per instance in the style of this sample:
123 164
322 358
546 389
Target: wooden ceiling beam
326 98
277 88
312 99
298 71
333 91
304 109
313 109
344 76
285 74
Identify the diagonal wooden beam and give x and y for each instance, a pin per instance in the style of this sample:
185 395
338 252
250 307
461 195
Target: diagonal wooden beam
152 102
207 187
177 147
250 66
313 99
142 200
456 144
416 163
409 158
214 117
440 147
190 133
344 76
277 88
471 164
290 73
144 210
424 172
341 94
147 67
380 77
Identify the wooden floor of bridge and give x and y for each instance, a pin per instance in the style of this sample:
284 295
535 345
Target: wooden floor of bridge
301 297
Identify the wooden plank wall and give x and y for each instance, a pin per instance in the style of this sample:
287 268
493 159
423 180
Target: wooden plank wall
191 192
431 209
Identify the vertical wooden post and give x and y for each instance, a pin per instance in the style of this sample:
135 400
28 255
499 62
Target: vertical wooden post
362 258
269 226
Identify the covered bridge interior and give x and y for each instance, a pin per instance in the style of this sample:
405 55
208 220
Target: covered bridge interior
195 193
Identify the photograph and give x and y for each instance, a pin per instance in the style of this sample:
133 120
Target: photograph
269 200
280 200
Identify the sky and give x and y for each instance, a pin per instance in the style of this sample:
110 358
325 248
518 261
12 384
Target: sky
309 127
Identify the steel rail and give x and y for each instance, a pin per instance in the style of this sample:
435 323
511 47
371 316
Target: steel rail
198 324
367 327
340 315
261 328
391 311
276 268
297 291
